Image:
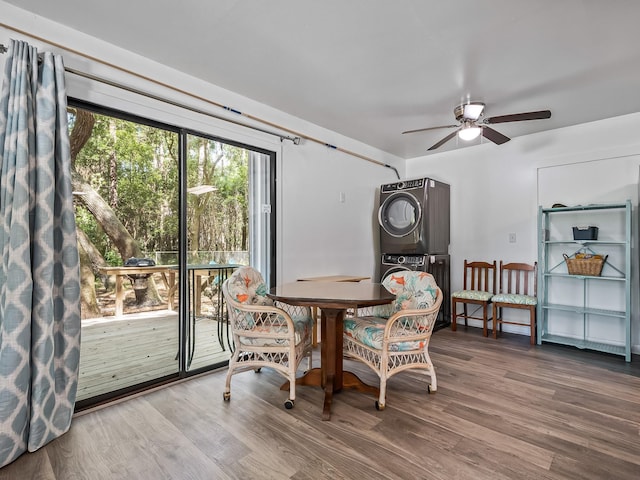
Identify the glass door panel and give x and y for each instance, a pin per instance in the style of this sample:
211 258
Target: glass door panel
133 230
226 228
125 182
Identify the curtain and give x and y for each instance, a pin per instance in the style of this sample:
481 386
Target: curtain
39 267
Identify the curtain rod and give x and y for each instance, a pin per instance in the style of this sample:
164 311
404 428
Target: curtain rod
295 139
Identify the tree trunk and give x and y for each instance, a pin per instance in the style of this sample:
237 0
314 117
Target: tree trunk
95 259
146 291
89 307
103 213
113 167
89 303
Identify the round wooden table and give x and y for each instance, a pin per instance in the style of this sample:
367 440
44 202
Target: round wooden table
333 299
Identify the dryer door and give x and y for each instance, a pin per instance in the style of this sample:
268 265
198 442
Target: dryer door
399 214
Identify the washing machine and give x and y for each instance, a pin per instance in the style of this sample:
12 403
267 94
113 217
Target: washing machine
437 265
414 217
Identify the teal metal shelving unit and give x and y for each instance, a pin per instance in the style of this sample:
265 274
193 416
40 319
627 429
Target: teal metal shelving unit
573 294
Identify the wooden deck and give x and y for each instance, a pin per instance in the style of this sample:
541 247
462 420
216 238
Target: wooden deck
121 351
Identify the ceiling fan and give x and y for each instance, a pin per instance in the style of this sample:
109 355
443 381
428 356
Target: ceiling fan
471 125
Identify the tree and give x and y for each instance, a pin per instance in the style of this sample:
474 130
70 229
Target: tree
126 177
83 124
218 220
206 160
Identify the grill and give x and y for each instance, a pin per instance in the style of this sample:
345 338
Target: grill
137 279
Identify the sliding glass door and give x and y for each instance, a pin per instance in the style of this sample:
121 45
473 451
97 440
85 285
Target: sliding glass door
156 205
228 225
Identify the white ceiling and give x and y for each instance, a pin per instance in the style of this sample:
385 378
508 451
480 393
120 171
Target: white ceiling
371 69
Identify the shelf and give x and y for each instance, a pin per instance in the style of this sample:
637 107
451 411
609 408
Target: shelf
584 310
614 220
585 344
582 208
584 277
584 242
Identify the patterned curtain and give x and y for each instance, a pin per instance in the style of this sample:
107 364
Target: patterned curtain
39 267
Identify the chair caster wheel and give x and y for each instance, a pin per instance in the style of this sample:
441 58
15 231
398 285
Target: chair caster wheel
226 396
288 404
379 406
257 370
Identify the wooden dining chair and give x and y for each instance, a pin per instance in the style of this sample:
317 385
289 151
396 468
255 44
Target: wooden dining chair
265 333
518 289
479 286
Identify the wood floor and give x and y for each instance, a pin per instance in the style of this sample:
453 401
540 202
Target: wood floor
503 410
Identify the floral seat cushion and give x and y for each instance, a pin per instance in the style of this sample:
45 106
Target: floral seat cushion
413 291
382 311
515 298
473 295
302 326
370 332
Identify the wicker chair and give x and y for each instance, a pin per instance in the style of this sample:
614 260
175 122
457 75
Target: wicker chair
391 340
265 333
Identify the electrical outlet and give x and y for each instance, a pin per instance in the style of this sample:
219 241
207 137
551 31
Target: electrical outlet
512 238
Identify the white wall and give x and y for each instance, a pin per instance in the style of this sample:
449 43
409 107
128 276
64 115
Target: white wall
496 190
322 235
316 233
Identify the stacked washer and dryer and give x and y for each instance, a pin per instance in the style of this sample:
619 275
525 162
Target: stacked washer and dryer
414 219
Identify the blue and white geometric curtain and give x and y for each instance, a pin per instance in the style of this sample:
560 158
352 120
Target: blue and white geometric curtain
39 264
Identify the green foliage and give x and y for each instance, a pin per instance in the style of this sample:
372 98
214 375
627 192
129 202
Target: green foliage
134 167
218 220
112 257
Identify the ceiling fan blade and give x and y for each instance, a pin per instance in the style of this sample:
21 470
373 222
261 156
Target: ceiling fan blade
519 117
495 136
430 128
444 140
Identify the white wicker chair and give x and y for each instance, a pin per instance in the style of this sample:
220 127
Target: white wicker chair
265 333
392 344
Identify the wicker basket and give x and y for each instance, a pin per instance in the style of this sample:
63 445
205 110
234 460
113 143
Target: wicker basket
585 264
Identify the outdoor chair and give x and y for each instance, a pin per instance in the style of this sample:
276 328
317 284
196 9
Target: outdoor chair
266 333
395 338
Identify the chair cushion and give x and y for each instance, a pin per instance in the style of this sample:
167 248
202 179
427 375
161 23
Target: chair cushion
370 332
382 311
247 286
413 290
473 295
515 298
302 326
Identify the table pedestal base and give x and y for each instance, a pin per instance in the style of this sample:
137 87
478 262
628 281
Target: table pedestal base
331 377
350 380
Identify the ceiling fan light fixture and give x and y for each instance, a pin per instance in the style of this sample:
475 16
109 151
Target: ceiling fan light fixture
473 110
469 132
